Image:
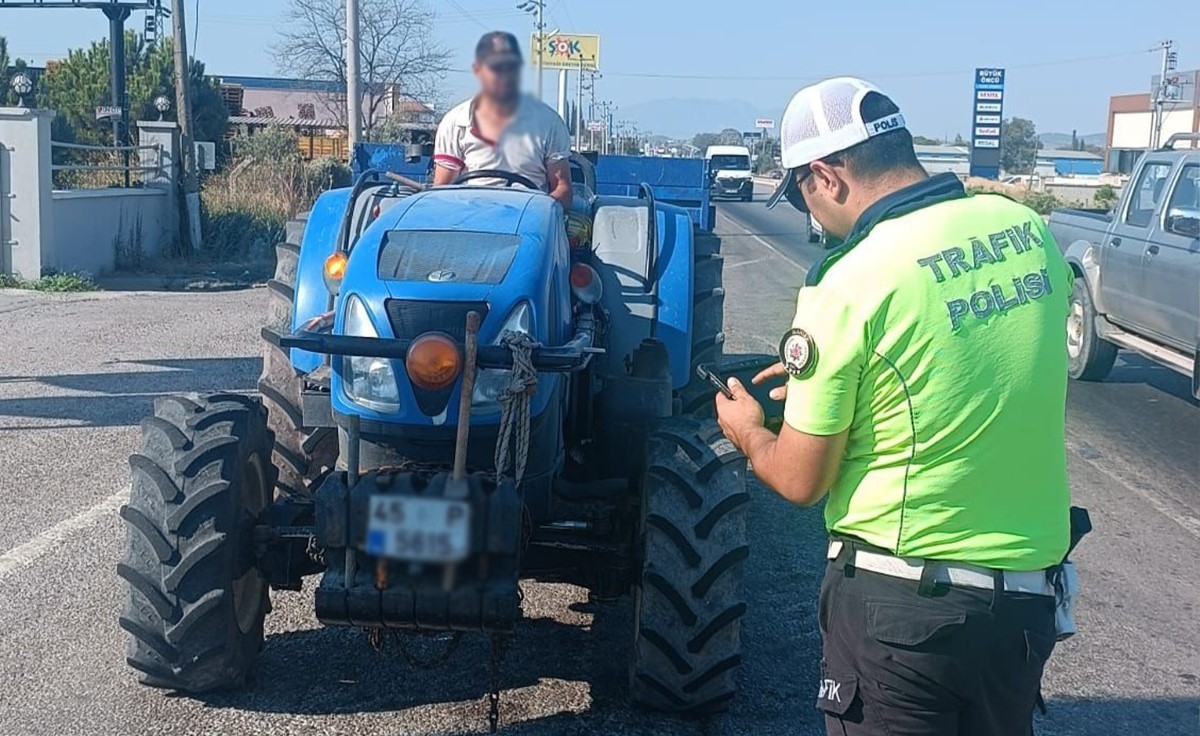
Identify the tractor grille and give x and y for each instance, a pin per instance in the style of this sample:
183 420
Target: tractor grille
411 318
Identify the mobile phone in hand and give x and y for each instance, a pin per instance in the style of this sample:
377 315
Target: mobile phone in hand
706 374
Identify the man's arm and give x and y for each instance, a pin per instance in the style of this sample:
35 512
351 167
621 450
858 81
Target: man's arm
558 162
447 154
558 178
800 467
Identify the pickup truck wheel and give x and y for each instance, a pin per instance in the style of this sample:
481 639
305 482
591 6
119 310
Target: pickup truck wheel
1089 356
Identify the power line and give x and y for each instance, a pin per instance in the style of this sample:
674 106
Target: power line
877 75
467 15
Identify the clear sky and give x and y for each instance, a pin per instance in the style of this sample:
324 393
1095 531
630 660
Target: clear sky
1064 57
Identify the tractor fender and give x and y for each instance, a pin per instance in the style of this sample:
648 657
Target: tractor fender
620 240
318 243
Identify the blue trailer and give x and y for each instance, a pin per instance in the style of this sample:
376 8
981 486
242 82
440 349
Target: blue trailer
456 396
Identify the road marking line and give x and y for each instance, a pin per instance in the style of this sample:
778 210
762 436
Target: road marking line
762 242
750 262
48 541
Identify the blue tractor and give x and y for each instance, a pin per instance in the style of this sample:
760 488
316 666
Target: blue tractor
458 395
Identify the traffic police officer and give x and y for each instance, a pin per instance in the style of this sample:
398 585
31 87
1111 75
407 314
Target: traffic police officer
925 395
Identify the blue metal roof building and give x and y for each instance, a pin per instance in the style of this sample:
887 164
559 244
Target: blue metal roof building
1070 163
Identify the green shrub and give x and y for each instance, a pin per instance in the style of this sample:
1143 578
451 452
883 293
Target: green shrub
1105 197
327 173
1041 202
56 282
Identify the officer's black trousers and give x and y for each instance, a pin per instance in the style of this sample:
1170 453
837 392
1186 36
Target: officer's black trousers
958 660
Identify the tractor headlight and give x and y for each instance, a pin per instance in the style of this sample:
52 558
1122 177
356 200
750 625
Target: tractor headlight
369 382
489 383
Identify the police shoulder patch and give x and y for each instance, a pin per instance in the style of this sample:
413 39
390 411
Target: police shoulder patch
797 352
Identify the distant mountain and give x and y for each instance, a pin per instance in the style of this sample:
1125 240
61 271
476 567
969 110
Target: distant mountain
1063 140
683 118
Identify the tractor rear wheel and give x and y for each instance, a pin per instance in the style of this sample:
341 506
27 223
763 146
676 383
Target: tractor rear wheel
708 335
689 600
195 600
302 455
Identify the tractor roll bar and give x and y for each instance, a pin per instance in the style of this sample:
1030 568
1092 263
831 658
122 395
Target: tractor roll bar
573 356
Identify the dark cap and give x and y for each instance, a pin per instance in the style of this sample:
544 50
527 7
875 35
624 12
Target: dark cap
497 47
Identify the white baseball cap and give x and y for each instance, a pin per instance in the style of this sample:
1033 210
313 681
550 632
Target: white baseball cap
821 120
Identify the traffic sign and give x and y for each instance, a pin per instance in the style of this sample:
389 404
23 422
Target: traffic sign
753 134
595 126
106 112
764 123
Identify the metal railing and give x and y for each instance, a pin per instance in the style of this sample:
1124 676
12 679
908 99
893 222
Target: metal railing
125 161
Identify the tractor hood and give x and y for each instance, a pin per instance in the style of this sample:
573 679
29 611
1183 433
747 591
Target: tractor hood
426 262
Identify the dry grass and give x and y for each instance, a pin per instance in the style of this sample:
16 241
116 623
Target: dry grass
247 206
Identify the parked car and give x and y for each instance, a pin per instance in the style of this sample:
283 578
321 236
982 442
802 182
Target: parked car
1137 269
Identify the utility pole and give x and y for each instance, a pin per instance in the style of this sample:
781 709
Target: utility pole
1160 94
562 94
353 79
183 108
117 14
537 8
579 110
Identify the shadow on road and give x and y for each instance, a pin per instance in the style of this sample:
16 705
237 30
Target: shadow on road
333 671
1106 716
1132 368
123 398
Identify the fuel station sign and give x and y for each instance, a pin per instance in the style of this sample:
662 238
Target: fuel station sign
987 110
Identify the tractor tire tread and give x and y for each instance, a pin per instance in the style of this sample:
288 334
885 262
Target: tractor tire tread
690 600
186 526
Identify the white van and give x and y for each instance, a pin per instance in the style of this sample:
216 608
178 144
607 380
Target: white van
729 172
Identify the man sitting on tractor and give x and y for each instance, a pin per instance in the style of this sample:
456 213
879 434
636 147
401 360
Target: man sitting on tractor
502 129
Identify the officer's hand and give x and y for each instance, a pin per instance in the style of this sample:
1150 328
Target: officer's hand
738 414
778 393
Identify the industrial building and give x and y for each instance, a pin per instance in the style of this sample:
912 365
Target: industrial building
1131 120
957 160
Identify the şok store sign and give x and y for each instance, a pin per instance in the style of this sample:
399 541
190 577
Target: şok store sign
986 114
568 51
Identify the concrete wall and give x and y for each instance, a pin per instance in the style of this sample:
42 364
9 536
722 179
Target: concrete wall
99 230
24 190
80 230
1076 195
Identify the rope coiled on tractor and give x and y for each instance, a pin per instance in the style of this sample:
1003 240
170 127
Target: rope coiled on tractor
514 405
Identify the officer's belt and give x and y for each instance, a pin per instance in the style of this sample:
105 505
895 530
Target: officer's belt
1035 582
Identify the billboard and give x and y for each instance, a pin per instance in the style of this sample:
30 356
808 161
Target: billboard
1180 88
567 50
987 110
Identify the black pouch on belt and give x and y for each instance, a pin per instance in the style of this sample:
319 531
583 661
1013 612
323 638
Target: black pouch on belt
1064 578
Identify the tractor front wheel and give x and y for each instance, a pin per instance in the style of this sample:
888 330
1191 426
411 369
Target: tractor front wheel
302 455
195 600
689 601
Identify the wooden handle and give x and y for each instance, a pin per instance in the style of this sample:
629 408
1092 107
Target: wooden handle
464 400
405 181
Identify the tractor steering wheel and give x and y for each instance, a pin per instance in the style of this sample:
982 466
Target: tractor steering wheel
507 176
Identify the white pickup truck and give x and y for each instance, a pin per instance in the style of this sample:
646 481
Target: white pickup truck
1137 270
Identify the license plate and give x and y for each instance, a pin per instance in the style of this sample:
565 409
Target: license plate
419 529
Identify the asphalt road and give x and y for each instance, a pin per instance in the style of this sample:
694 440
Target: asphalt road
77 373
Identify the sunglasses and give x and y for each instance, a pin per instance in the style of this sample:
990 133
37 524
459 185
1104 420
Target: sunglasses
507 67
795 194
